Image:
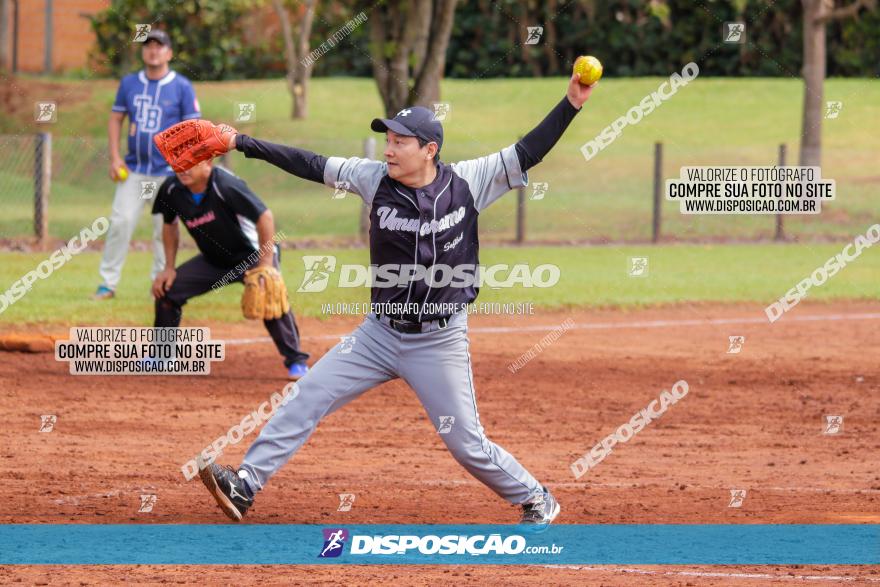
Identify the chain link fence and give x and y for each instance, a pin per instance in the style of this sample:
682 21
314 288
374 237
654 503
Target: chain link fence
17 184
51 185
608 199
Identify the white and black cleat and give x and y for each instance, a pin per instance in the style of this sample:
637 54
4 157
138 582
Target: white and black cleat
540 511
228 490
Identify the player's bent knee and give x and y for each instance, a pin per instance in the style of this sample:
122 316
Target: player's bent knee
472 452
166 304
168 313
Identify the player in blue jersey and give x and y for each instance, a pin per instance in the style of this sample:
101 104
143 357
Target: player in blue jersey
153 99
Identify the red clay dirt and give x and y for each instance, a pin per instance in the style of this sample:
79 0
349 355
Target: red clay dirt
752 420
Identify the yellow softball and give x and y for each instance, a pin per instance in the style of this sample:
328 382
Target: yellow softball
588 68
122 173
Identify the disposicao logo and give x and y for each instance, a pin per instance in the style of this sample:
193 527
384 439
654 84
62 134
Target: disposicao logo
334 541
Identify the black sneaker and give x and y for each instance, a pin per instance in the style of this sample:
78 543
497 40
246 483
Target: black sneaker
540 510
228 489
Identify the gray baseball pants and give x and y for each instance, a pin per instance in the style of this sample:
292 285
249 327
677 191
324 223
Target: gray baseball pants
127 206
435 364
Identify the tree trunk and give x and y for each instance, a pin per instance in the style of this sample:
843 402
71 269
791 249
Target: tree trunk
298 74
407 34
427 87
393 32
423 36
4 35
378 33
406 45
302 73
814 79
552 39
817 13
528 18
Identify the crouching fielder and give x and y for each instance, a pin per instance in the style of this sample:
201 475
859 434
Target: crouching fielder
234 232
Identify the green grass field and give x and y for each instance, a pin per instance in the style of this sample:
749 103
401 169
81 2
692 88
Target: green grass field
711 121
590 277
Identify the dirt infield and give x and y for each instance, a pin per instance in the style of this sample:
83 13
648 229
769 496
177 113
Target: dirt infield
752 420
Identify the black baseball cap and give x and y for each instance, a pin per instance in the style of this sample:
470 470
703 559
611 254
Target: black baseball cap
160 36
412 121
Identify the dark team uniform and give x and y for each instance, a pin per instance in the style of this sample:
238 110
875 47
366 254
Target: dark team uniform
429 225
222 222
434 225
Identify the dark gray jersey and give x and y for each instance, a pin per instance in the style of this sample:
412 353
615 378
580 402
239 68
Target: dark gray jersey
424 242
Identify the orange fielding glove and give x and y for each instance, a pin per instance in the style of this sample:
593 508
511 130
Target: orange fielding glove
188 143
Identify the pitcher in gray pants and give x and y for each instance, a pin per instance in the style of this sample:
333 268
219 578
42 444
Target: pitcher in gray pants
423 221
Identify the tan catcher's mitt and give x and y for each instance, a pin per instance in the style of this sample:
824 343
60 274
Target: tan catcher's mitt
188 143
265 295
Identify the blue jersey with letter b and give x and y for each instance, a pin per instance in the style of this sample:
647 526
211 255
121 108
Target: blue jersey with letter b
152 106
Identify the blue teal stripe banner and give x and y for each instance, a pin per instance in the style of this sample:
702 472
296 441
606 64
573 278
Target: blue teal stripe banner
611 544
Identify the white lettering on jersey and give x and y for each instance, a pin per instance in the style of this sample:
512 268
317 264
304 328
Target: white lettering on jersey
388 220
148 116
451 244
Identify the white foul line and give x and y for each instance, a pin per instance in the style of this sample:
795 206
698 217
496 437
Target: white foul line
712 574
587 485
612 325
629 486
691 322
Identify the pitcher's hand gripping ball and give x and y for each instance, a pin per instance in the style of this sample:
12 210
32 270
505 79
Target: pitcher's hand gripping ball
588 68
188 143
265 295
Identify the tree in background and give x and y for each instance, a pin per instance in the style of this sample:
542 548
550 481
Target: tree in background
408 42
4 35
234 39
298 74
207 36
817 14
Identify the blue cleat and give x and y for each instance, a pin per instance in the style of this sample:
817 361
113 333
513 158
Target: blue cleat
297 371
103 293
